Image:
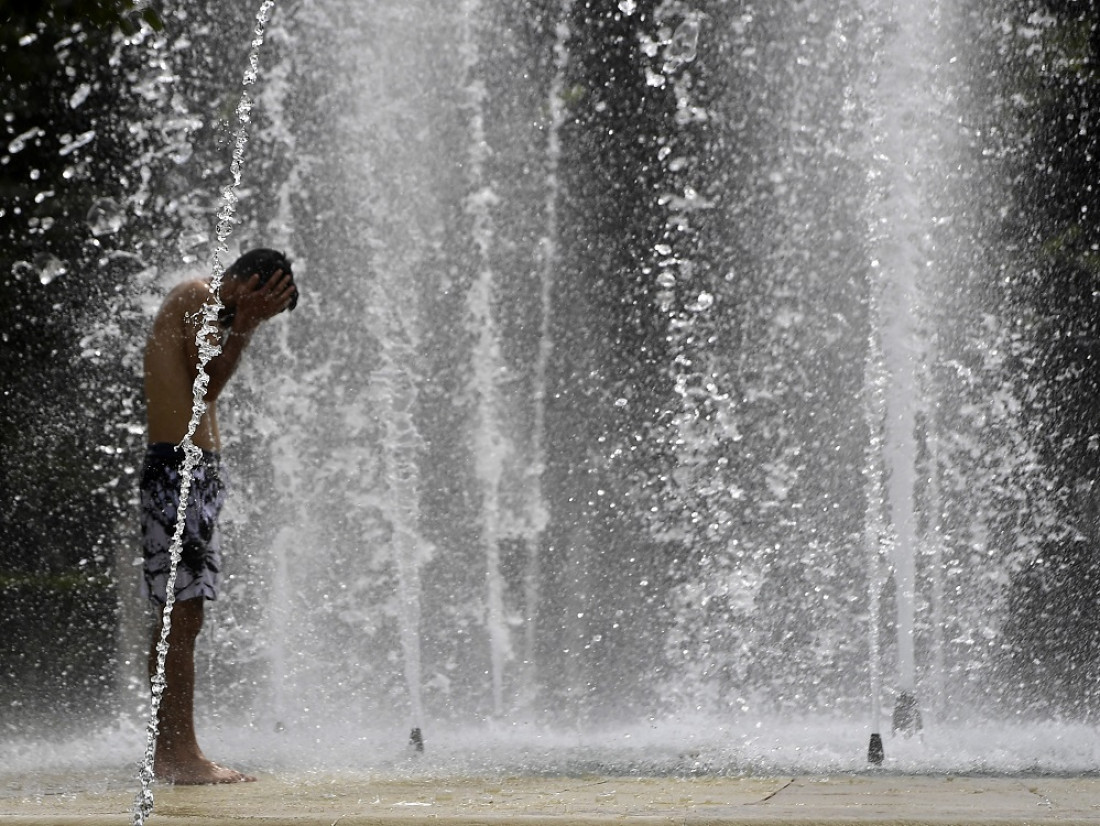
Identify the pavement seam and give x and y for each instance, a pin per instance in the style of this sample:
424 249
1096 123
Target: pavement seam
1034 790
770 795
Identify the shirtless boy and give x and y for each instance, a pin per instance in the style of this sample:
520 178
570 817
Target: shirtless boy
255 288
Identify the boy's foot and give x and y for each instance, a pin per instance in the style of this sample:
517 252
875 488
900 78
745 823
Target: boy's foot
200 773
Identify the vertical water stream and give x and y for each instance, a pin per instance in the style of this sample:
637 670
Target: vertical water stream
487 367
905 133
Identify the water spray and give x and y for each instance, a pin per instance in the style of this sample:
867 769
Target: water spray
874 533
492 444
209 348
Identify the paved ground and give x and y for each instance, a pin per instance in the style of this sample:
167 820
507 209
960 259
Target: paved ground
359 800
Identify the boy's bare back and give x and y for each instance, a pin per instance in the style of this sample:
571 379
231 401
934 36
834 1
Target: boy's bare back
171 363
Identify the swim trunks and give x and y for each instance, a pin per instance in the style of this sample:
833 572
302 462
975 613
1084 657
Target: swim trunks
200 552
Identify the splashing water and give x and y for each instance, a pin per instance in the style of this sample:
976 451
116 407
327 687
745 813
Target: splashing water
48 267
206 339
105 217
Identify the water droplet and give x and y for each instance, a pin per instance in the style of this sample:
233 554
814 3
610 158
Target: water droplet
80 95
49 266
182 153
105 217
684 44
704 301
628 6
189 240
19 142
70 144
244 109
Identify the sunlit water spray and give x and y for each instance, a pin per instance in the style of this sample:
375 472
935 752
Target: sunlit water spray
876 539
490 444
907 121
395 399
534 518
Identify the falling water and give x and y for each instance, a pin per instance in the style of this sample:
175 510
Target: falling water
488 370
394 399
904 148
875 536
938 617
532 524
680 294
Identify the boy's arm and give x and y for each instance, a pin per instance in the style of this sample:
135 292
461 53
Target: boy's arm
222 366
254 306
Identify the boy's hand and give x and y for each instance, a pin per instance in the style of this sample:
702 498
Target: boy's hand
257 304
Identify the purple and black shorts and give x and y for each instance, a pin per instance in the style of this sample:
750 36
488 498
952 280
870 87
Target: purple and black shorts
200 552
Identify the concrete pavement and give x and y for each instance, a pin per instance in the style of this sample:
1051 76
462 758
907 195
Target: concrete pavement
348 799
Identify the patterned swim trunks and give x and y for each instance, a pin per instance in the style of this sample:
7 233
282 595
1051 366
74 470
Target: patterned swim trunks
200 553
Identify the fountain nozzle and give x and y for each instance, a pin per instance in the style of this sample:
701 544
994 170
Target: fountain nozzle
875 753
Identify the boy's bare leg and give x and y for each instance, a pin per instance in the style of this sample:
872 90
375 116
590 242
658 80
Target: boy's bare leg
178 758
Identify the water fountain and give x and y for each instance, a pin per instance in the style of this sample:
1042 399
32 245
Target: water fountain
605 312
901 222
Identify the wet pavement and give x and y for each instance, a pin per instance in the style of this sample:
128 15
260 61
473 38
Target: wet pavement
348 799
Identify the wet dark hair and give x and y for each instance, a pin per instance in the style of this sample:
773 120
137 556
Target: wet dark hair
265 263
